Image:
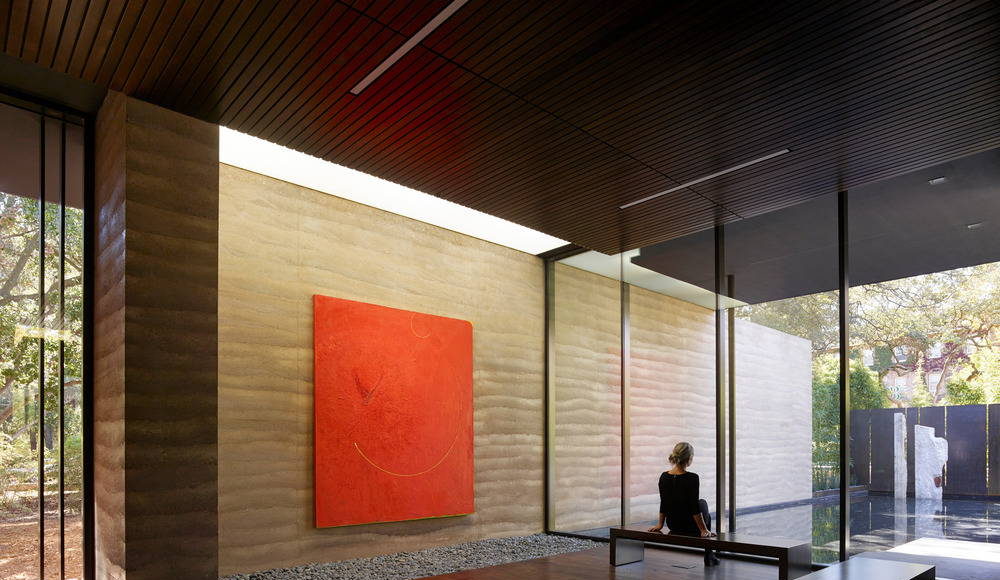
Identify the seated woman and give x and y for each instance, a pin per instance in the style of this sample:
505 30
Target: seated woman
680 507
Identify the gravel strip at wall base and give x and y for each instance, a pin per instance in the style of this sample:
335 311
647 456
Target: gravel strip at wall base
430 562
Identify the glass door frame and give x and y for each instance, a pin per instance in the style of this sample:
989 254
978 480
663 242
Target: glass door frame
51 111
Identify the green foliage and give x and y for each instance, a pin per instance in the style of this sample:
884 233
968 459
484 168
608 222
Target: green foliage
883 359
18 473
811 317
866 393
23 320
900 319
977 380
961 392
921 396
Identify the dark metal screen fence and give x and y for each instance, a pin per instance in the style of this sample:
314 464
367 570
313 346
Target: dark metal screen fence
973 467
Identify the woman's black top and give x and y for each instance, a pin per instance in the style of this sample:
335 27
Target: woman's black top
679 501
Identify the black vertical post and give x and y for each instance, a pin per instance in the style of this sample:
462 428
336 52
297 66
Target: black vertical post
549 398
731 290
41 351
626 423
62 349
845 374
720 378
86 393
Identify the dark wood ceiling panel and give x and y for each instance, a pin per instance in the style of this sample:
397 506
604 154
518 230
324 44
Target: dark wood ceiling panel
97 31
134 39
38 13
553 114
405 17
158 55
55 20
294 69
373 45
293 32
416 69
191 48
275 31
17 21
112 35
63 44
245 28
865 97
352 31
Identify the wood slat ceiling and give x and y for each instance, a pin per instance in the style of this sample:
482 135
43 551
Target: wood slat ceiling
553 114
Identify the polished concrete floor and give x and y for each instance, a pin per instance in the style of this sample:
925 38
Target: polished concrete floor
593 565
878 523
951 557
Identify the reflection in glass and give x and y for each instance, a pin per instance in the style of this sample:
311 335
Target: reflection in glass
587 403
671 389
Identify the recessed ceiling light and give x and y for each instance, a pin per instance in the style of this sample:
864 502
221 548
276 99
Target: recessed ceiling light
408 45
705 178
975 226
937 180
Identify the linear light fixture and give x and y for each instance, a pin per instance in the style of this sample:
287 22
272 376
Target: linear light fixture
408 45
705 178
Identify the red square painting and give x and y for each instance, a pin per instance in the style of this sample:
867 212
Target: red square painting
393 396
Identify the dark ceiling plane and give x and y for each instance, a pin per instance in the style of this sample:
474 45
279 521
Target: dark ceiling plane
932 220
555 114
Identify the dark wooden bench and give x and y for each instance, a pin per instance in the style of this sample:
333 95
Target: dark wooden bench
870 568
794 556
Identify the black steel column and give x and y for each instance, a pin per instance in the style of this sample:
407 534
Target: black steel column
549 398
845 374
86 394
720 379
626 422
730 292
62 349
40 440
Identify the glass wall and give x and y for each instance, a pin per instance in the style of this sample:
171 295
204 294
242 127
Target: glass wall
587 400
743 323
634 373
41 362
785 373
671 395
925 314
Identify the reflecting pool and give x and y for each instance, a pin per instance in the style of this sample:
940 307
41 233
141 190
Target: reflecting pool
878 522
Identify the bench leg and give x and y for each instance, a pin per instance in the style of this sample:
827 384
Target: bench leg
624 551
796 564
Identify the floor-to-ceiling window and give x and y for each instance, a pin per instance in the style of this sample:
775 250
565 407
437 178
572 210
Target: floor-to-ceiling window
925 328
585 399
784 373
634 355
893 444
41 332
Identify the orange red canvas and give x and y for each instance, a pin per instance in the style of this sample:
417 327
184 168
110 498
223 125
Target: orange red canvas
393 414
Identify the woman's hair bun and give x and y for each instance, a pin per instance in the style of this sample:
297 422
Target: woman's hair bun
681 454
